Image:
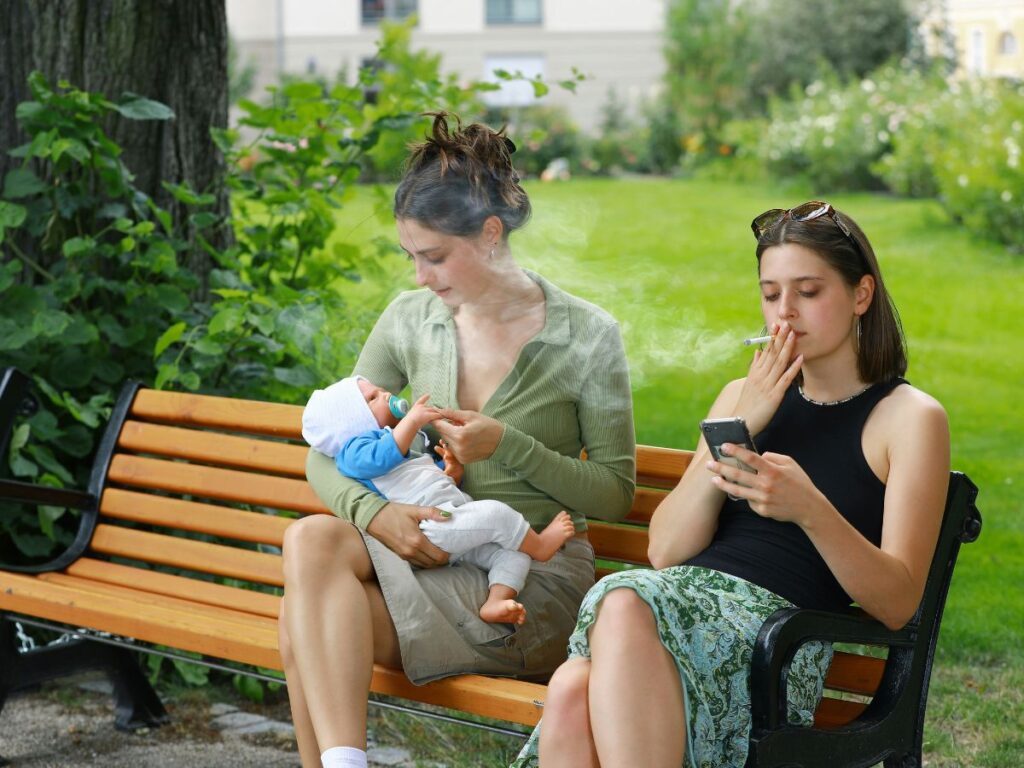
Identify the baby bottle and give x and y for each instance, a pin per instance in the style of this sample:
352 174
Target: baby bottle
398 406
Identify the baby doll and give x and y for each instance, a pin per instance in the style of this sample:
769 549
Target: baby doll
353 422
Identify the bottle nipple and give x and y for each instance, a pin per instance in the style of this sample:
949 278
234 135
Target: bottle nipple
398 406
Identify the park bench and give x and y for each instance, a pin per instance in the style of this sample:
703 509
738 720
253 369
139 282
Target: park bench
178 549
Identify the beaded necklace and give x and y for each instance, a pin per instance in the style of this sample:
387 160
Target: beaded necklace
812 401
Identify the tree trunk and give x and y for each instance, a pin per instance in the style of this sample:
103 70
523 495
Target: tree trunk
173 51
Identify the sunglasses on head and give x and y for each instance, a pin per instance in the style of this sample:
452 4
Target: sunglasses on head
814 209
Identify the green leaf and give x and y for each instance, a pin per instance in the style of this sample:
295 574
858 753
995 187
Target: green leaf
11 215
44 456
226 320
165 374
47 517
540 88
168 337
50 323
19 437
14 334
193 674
28 110
77 246
136 107
22 467
171 298
301 91
249 687
44 426
190 381
21 182
207 346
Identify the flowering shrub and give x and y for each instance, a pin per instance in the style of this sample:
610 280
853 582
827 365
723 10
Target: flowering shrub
910 132
833 134
965 148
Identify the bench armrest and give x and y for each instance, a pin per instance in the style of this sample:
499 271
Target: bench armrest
781 636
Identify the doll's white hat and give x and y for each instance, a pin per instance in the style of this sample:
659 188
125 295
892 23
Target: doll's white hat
336 414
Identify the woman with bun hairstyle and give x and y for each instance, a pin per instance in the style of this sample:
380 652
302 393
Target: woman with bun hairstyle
525 377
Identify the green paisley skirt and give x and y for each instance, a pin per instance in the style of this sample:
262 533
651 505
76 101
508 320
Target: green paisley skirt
708 621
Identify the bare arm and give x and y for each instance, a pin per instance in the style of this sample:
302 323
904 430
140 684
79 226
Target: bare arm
416 419
886 581
686 520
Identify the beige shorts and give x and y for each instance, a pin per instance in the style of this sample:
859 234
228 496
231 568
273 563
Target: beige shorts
440 633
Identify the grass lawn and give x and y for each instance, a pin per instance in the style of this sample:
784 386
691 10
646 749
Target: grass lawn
673 261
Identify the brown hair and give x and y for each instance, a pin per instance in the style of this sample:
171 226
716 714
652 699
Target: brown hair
458 178
882 348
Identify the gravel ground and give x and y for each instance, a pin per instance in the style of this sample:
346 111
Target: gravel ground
69 727
72 724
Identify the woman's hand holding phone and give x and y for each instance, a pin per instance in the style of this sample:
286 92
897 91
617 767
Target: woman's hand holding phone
771 372
779 488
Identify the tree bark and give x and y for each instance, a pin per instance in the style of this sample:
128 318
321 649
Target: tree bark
172 51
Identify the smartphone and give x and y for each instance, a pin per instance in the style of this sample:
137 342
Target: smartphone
729 430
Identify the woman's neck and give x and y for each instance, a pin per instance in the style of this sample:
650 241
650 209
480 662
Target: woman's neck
832 380
509 294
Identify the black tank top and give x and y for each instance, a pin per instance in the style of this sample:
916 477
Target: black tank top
825 440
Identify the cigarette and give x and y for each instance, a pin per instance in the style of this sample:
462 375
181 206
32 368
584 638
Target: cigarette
756 340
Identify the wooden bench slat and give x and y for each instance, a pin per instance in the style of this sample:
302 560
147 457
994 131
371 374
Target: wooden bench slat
215 483
179 514
645 501
252 416
199 556
853 673
618 542
208 593
515 701
214 448
233 614
144 619
660 467
832 713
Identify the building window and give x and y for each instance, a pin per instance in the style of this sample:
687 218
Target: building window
1007 44
515 93
976 54
375 11
513 11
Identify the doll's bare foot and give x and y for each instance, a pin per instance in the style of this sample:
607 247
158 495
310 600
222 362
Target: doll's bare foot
503 611
543 546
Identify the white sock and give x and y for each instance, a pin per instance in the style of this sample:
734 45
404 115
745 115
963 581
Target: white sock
343 757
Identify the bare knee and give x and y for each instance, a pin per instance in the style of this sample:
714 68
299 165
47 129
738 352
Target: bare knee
567 706
623 617
317 545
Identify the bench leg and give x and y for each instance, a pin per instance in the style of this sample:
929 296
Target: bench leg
136 704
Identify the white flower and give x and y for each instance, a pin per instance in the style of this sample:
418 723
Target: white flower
883 136
961 180
868 85
1007 196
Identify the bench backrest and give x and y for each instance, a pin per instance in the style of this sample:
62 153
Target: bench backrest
195 493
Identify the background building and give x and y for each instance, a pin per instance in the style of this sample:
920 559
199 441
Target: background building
987 35
619 46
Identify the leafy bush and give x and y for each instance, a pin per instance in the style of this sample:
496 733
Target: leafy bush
90 317
965 148
833 134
